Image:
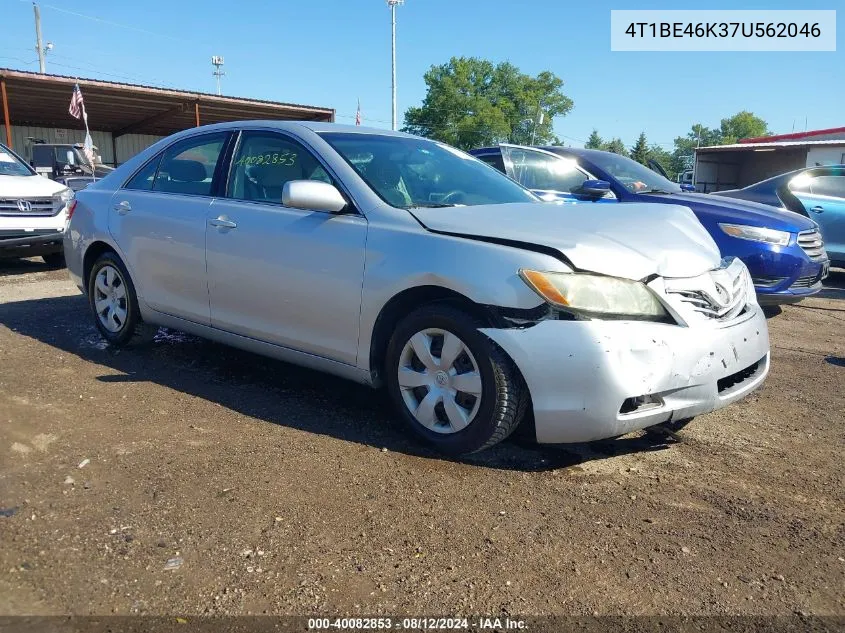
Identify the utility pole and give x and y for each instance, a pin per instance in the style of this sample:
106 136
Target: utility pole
392 4
217 62
38 46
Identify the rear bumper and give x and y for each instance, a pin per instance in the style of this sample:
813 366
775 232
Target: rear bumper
583 375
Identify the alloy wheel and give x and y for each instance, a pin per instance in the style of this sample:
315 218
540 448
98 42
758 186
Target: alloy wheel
110 300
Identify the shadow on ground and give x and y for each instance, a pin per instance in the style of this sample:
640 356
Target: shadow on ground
277 392
10 267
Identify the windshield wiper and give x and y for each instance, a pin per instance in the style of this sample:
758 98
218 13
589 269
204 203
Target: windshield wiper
430 205
663 191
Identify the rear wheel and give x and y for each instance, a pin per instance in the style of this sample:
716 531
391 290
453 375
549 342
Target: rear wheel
111 295
450 383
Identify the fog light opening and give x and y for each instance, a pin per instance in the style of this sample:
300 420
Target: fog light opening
640 403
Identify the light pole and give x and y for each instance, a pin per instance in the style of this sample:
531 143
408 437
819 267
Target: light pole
392 4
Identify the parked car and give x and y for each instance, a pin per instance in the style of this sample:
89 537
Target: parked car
75 183
816 192
59 160
783 250
391 259
33 211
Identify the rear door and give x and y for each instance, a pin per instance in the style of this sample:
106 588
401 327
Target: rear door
824 199
158 221
280 274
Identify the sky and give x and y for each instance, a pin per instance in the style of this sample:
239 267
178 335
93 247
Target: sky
334 52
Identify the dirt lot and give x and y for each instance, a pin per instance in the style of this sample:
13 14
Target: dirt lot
285 491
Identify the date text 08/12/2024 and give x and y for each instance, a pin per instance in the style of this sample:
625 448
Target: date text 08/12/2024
416 624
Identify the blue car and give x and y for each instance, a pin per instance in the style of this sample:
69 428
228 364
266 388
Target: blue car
783 250
817 192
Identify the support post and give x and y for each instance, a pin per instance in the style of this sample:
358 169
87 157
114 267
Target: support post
6 113
197 112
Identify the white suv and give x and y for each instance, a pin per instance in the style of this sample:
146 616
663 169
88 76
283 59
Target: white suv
33 211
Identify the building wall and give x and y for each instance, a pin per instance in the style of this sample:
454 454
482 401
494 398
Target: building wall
130 144
826 156
125 146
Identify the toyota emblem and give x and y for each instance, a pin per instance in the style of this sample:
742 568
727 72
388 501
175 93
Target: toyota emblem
24 206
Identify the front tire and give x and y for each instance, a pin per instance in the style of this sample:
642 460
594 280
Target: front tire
453 386
113 301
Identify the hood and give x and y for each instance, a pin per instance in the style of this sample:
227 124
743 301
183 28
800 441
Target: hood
633 240
28 187
712 209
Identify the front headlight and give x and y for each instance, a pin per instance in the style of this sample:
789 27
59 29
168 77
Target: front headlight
61 198
756 234
596 295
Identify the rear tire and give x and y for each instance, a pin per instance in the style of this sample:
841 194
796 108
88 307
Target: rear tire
54 260
459 392
114 304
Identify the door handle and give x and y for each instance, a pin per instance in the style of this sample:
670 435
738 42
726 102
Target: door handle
817 209
223 223
123 207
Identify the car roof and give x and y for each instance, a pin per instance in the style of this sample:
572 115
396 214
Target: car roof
314 126
555 149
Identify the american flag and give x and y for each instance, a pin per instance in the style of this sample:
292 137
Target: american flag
358 114
77 106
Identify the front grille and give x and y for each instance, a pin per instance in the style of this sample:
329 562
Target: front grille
32 206
811 243
807 282
723 384
722 296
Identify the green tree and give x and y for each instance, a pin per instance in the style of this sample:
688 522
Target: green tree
471 102
742 125
639 152
698 136
616 146
594 142
662 158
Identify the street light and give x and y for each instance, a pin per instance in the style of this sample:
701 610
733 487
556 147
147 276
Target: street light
392 4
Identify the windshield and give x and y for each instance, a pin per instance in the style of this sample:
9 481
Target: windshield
413 172
11 165
632 175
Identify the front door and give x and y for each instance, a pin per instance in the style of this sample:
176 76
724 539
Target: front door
278 274
158 220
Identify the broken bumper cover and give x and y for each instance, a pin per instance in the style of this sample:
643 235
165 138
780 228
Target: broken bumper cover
587 379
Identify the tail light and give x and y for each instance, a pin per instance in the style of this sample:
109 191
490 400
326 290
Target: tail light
70 209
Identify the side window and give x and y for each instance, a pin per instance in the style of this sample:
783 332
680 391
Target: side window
494 160
143 179
549 173
188 166
833 186
264 162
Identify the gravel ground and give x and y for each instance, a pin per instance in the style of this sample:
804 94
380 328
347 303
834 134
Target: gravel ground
184 477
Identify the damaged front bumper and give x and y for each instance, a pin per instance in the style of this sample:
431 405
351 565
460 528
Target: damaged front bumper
596 379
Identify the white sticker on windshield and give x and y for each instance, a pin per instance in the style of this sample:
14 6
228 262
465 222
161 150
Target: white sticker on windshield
5 158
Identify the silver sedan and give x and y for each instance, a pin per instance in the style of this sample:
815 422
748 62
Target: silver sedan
399 261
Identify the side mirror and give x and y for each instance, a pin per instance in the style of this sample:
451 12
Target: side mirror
593 189
71 159
314 195
685 186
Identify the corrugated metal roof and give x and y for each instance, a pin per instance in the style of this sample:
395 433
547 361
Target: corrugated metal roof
42 100
794 136
750 147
